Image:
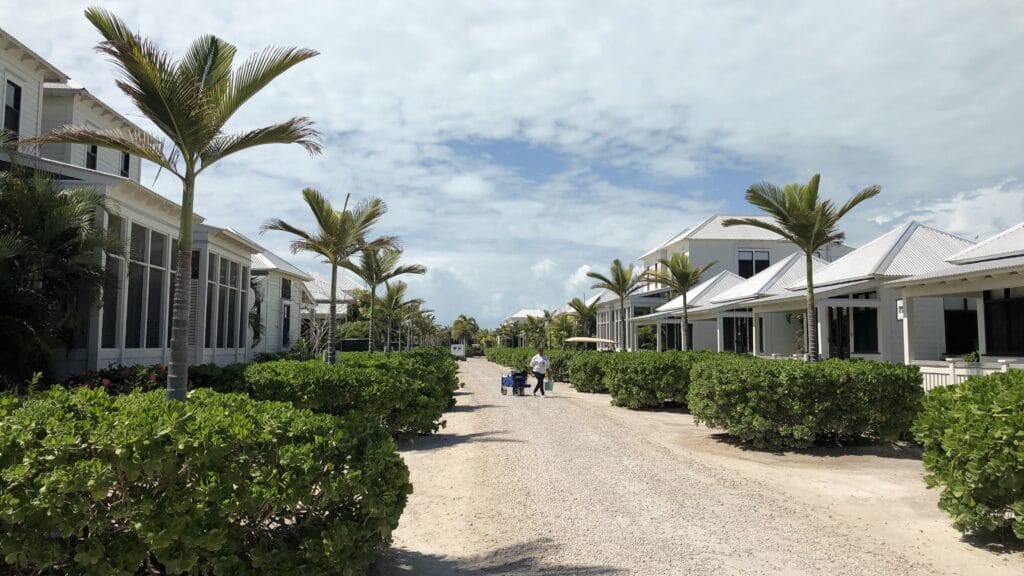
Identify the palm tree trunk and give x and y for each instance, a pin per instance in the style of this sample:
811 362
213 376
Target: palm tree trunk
177 370
685 337
811 327
622 321
373 296
332 315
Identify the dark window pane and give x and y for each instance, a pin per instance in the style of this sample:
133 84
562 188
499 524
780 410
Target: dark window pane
865 331
286 327
157 246
133 318
210 291
154 307
115 225
138 247
286 289
746 268
91 155
234 274
223 272
232 329
761 261
126 164
222 316
211 268
12 108
243 325
1003 321
110 303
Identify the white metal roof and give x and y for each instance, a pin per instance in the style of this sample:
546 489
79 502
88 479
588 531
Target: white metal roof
523 314
973 269
770 281
907 250
320 288
51 73
1006 244
703 293
267 260
713 229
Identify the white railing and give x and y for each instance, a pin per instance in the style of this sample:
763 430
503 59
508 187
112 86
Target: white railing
950 372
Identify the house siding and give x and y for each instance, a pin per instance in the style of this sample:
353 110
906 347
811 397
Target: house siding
13 68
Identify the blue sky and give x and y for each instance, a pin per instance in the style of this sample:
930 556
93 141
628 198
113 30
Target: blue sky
520 144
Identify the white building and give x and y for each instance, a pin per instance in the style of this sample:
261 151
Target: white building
133 323
741 250
280 292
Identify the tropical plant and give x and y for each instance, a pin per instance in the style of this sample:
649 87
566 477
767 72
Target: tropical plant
377 266
396 305
586 316
679 275
802 218
623 282
464 329
190 100
559 328
51 276
340 234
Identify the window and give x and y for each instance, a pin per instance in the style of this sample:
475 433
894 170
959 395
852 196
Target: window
12 108
224 285
244 324
126 164
1004 316
91 154
750 262
286 327
865 330
147 276
286 289
109 312
736 335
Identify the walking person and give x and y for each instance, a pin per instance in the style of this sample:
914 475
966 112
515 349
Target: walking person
539 365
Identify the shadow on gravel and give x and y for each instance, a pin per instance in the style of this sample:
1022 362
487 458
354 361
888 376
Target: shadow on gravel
442 440
526 558
897 450
466 408
1002 542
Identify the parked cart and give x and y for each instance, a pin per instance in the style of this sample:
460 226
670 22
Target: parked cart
515 381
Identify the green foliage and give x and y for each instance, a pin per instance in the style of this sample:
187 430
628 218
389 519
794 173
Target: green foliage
519 359
95 484
779 404
973 438
406 392
586 370
141 378
649 379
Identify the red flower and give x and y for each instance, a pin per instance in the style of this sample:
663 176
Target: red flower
152 377
106 383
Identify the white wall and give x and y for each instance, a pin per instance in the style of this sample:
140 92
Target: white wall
87 113
272 311
725 252
14 69
57 111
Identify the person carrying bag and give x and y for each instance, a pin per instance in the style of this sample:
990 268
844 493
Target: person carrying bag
539 366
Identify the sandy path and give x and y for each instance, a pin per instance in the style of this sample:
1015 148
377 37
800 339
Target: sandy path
571 485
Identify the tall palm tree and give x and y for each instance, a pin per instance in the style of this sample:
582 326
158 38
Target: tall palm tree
621 281
805 220
190 100
377 266
340 234
395 303
679 275
586 315
464 329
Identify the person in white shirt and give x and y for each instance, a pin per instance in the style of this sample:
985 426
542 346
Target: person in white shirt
539 366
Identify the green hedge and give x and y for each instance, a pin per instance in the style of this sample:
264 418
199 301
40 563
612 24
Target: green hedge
973 438
406 392
519 359
96 484
649 379
586 370
789 404
141 378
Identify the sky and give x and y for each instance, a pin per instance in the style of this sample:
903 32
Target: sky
520 144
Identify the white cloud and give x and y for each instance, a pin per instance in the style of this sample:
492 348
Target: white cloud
578 280
673 93
543 268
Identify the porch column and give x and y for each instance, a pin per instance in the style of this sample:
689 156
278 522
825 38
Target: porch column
982 345
657 331
908 330
719 336
757 337
823 326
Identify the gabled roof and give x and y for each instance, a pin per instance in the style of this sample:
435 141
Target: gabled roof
320 288
713 229
267 260
702 293
770 281
907 250
50 72
523 314
1011 265
72 87
1006 244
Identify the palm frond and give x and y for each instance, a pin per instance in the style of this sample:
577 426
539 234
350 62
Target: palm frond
256 73
135 142
295 131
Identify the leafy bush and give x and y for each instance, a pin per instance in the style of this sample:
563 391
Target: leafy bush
126 379
973 438
519 359
96 484
586 370
788 404
649 379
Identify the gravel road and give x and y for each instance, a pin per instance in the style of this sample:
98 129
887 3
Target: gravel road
569 485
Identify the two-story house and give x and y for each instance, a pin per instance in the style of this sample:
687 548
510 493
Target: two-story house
279 293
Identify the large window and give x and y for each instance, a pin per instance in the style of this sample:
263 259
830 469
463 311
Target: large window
286 326
114 269
12 108
750 262
1004 322
865 330
286 289
737 335
222 303
91 155
147 276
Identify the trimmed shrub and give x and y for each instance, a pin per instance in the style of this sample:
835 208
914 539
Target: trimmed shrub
779 404
141 378
649 379
96 484
586 370
973 438
519 359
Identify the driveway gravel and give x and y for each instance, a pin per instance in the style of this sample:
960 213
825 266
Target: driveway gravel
571 485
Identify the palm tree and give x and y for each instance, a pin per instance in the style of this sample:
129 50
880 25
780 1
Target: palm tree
586 315
805 220
464 328
679 275
621 281
395 304
340 235
377 266
190 100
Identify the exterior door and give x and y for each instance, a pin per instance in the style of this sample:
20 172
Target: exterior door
838 332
